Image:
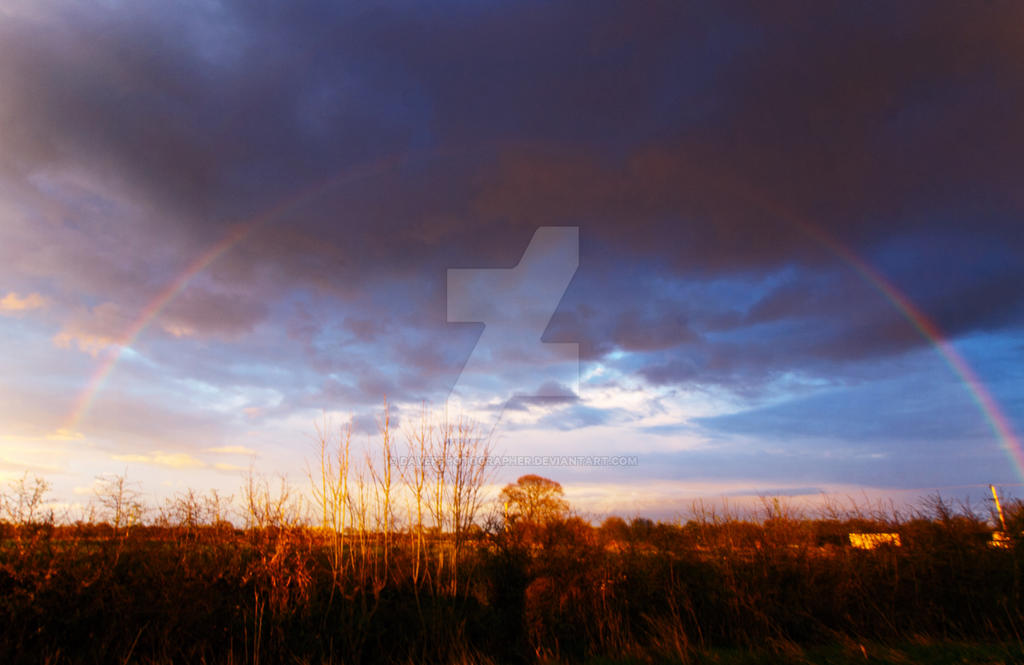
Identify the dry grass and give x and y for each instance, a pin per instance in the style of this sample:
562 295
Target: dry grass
392 568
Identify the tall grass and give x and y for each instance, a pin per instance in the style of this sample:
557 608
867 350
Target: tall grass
397 569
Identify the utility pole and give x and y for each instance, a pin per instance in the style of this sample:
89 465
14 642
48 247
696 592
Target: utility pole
999 507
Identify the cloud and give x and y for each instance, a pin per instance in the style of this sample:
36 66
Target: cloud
232 450
201 312
577 415
94 329
222 466
159 458
368 151
783 491
12 302
62 434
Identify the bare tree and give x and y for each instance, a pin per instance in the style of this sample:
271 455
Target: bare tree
267 507
330 489
190 510
439 449
384 486
120 500
472 456
26 503
414 475
470 449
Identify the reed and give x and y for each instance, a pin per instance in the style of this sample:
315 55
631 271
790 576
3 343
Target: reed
346 576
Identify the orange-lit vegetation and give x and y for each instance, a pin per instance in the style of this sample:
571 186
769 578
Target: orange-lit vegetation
398 558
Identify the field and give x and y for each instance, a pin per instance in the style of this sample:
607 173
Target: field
713 588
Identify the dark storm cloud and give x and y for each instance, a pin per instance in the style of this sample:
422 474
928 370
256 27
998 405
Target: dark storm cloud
405 139
213 313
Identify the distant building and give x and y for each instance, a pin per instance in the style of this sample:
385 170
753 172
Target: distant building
1000 540
869 541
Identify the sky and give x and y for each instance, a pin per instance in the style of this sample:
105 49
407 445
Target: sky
775 247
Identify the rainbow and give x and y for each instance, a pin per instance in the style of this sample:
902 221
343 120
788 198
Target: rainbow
976 388
980 394
149 312
236 234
